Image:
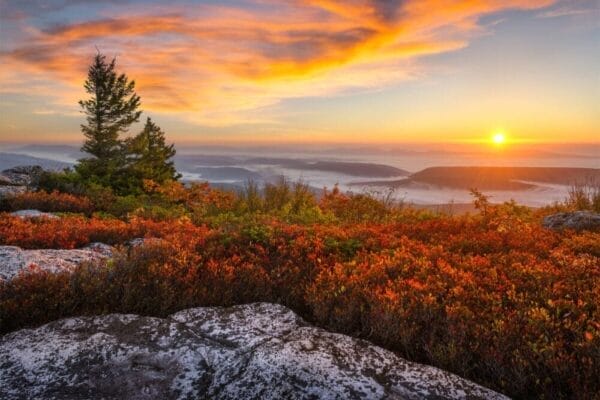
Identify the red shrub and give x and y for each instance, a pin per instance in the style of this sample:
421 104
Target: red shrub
75 231
497 300
50 202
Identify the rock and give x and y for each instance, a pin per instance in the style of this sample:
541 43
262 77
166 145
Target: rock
101 248
577 220
137 242
33 214
8 191
14 259
21 176
4 180
255 351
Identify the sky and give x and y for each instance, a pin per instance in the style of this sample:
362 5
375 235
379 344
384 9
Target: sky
311 71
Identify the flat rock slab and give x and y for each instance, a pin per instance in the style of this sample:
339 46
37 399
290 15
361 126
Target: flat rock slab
255 351
14 259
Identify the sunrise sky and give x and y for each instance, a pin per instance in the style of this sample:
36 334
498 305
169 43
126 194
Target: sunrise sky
311 70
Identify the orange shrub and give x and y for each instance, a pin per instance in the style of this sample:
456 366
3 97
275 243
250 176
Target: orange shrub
200 198
76 231
50 202
353 208
496 299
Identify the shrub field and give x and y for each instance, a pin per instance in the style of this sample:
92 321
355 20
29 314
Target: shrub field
493 297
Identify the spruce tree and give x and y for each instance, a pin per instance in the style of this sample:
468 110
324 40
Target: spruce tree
149 157
110 111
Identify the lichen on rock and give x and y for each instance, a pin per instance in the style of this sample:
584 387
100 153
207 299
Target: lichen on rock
255 351
576 220
27 175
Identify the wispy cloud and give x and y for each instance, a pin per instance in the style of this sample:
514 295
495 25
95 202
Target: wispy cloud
217 64
572 8
53 111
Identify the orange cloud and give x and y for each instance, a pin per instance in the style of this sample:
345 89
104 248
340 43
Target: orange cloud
215 64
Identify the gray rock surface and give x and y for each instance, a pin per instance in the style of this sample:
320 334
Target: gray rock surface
7 191
255 351
33 214
101 248
577 220
14 259
5 180
21 176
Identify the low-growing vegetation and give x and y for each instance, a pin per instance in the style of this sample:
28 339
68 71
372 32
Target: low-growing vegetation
493 297
48 202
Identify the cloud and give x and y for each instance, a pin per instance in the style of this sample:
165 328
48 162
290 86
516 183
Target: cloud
21 9
562 12
216 64
575 8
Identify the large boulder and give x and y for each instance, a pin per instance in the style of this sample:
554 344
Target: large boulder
14 259
576 220
255 351
27 176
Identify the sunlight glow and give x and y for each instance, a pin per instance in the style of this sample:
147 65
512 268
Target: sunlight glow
499 138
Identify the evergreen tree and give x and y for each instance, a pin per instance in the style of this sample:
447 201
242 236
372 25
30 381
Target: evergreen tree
110 111
149 157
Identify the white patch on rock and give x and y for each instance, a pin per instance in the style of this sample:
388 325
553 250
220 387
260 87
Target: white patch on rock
33 214
14 259
255 351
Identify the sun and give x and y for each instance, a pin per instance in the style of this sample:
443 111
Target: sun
499 138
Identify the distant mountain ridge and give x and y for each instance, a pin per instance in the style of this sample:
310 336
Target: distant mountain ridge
232 171
493 178
10 160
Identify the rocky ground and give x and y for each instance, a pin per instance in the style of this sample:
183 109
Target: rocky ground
255 351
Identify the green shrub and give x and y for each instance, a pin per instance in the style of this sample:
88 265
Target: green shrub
121 206
66 181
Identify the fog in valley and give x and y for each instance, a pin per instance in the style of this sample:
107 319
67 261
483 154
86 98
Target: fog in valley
418 174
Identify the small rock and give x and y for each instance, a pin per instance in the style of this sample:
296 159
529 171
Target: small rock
253 351
25 214
8 191
576 220
22 176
